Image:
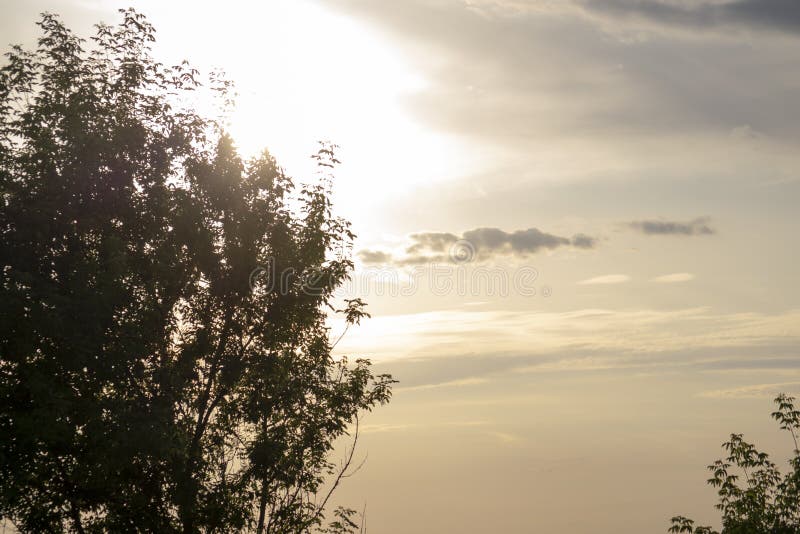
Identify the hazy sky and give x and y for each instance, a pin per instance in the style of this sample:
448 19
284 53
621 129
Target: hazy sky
578 235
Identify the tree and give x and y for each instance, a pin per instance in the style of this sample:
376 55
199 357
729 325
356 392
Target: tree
165 364
768 502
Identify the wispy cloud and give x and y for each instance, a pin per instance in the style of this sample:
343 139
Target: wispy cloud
403 427
755 390
673 278
547 336
505 437
385 427
471 381
606 279
698 226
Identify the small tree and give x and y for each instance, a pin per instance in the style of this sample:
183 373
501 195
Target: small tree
768 502
165 364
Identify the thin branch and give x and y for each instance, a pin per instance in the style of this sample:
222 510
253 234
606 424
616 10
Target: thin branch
336 481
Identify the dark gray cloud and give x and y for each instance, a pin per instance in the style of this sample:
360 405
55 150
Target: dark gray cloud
477 244
783 15
490 240
699 226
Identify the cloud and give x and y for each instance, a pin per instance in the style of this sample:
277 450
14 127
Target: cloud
385 427
521 241
374 256
505 437
780 15
401 427
674 277
699 226
431 241
751 391
477 244
607 279
502 71
746 133
461 382
458 346
583 241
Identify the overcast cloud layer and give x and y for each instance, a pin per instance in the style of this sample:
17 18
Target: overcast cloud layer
613 71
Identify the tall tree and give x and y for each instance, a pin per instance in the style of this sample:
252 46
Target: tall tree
165 364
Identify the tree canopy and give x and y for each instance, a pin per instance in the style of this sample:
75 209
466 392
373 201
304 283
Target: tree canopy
754 496
165 363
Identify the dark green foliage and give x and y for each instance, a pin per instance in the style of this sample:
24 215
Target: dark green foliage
148 381
765 501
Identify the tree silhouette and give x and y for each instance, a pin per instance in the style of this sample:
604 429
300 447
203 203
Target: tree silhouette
165 364
767 502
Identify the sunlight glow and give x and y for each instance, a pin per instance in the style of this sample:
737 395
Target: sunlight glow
306 74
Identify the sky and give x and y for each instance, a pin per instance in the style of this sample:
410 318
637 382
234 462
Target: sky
577 227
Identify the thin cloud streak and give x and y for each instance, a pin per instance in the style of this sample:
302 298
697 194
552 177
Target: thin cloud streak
567 335
752 391
606 279
673 278
402 427
471 381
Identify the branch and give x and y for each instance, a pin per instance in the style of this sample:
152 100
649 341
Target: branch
342 474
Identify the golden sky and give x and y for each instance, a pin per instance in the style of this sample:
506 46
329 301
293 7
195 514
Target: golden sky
577 228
